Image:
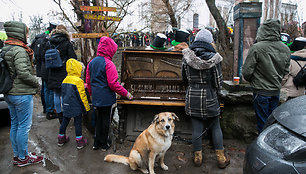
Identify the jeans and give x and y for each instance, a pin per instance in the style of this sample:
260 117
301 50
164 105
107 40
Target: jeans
77 125
58 100
21 110
198 127
49 97
263 106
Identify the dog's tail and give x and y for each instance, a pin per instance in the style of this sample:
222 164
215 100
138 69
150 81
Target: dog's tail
117 158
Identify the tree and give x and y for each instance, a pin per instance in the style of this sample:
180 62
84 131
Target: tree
88 46
35 25
223 37
163 13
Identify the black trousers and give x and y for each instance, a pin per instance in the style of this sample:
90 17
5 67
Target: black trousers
103 117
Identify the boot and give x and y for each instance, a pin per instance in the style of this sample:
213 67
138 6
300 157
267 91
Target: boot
222 159
198 158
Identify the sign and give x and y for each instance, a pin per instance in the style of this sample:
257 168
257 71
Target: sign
89 35
102 18
97 8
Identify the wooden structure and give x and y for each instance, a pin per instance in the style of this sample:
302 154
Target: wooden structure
154 79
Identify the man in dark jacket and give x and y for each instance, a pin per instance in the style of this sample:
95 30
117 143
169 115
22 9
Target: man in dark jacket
39 46
266 64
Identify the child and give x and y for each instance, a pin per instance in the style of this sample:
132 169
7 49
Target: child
75 103
102 84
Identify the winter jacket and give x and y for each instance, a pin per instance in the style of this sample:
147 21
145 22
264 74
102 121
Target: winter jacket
74 97
201 69
287 84
25 82
61 39
267 61
37 46
102 76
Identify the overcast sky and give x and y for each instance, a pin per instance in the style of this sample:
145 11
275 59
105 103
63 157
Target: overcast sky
27 8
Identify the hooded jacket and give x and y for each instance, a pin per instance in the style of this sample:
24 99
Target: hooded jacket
60 38
102 76
202 71
267 61
18 60
287 84
74 96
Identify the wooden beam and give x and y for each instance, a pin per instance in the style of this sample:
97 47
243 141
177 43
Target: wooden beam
98 8
102 18
89 35
151 102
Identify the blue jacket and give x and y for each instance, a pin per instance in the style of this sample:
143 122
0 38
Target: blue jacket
102 95
75 101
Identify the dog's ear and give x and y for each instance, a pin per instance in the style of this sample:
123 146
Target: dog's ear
155 120
175 116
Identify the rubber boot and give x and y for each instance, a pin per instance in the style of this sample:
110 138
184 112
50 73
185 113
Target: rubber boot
222 159
198 158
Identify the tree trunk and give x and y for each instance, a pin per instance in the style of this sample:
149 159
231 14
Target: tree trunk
223 31
88 47
171 14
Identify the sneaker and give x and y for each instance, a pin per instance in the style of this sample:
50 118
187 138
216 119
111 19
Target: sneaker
62 140
15 160
31 159
82 142
51 115
96 145
104 148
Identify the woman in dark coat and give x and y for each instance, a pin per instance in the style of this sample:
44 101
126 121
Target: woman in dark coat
202 71
60 39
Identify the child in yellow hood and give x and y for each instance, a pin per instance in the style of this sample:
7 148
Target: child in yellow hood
75 103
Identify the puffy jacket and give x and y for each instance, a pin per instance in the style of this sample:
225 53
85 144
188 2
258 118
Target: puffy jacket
102 76
74 96
267 61
61 39
25 82
287 84
202 71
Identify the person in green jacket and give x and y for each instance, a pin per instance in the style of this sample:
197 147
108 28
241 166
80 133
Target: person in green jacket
266 64
19 58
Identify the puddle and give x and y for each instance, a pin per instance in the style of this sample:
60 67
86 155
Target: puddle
49 165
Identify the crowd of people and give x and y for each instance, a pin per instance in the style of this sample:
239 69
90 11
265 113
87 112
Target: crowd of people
64 94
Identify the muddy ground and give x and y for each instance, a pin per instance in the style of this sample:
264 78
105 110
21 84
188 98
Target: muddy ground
67 159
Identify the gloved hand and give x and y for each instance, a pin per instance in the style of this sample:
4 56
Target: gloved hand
129 96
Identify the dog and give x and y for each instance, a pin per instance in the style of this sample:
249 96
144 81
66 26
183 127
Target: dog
151 144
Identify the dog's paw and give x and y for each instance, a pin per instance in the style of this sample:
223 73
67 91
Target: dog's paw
144 170
164 167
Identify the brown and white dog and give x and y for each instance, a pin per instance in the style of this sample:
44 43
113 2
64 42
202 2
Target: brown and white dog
151 144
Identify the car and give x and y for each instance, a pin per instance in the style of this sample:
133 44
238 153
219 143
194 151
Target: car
3 104
281 147
4 112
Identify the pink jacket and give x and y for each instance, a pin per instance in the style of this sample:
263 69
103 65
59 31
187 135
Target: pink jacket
107 48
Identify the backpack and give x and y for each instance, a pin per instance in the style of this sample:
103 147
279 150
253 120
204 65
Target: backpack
6 80
300 79
53 58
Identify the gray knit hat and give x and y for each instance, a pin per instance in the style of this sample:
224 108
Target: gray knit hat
204 35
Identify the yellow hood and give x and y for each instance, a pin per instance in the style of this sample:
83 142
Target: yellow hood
73 67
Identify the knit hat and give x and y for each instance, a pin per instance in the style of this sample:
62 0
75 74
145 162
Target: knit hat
204 35
180 35
298 44
159 42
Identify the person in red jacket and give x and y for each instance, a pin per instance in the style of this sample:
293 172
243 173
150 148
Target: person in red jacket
102 84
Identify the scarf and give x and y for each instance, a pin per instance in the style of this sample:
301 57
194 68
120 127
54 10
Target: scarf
12 41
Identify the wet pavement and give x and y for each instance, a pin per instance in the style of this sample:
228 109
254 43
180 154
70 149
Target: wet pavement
67 159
